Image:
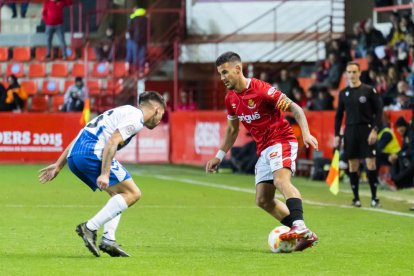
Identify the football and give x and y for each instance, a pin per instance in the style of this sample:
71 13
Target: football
278 246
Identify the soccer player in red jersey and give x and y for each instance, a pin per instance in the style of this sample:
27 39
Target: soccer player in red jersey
259 107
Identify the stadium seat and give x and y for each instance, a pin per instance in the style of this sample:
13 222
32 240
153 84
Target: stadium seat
39 103
22 54
305 83
363 63
40 53
50 87
114 86
94 87
57 102
78 70
100 70
16 69
90 52
67 84
37 70
4 53
59 70
70 53
30 86
120 69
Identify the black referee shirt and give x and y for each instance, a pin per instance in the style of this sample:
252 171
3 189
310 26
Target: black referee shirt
362 105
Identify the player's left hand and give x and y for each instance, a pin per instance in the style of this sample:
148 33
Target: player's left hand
48 173
372 138
309 140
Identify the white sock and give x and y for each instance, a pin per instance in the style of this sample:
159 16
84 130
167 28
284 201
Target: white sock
110 227
299 223
113 207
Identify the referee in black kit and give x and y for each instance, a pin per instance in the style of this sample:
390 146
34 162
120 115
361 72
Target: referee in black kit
363 110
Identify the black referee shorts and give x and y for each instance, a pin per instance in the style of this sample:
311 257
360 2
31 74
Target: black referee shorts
356 142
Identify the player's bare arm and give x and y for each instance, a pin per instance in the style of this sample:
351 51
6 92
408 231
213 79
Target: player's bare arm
107 156
51 171
230 137
300 117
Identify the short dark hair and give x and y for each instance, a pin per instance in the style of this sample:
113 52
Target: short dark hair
354 63
78 79
147 96
227 57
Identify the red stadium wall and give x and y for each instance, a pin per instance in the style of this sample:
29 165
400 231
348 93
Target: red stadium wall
192 137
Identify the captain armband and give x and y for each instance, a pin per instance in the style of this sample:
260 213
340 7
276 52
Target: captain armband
283 103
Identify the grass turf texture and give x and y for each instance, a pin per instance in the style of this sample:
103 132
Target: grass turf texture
182 227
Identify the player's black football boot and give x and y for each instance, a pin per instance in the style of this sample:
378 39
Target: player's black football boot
89 238
112 248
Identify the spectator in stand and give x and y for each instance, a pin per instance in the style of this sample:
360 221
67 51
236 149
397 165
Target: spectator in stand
52 15
359 41
136 35
23 9
403 162
341 49
406 24
334 72
74 97
373 61
381 85
14 98
369 77
299 97
186 102
392 80
323 101
383 3
374 38
286 83
104 49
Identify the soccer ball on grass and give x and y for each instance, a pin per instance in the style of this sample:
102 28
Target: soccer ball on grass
278 246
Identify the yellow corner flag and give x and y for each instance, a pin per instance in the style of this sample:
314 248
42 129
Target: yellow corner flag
86 113
333 176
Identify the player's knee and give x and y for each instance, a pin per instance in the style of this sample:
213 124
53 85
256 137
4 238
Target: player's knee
135 195
264 203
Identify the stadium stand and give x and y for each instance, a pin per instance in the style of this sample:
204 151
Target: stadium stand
16 69
50 87
39 103
37 70
21 54
30 86
59 70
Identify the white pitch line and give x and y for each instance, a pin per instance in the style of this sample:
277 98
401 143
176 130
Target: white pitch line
251 191
140 206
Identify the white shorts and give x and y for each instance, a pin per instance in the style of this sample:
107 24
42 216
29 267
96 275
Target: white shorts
275 158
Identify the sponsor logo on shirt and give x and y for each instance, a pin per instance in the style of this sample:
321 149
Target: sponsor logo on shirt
233 105
249 118
251 104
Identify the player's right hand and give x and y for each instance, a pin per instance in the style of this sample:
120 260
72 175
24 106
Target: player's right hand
48 173
103 181
212 165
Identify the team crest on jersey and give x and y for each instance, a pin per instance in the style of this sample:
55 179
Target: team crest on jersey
347 93
251 104
130 130
233 105
271 91
362 99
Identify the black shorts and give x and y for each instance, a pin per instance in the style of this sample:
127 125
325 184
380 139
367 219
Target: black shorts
356 142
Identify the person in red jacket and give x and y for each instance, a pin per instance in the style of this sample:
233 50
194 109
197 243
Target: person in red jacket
52 14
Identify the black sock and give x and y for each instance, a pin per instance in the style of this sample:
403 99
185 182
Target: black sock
372 179
287 221
354 178
295 208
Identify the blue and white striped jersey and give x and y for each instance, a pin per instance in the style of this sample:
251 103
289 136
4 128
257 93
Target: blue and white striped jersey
127 119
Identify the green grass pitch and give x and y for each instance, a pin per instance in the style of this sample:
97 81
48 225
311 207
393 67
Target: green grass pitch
190 223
